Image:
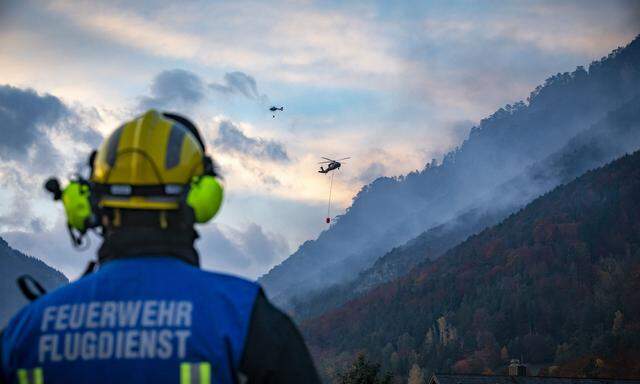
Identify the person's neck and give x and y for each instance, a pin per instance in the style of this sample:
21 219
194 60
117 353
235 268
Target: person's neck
143 241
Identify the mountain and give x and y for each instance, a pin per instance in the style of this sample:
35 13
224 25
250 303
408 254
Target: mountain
14 264
390 211
556 284
616 134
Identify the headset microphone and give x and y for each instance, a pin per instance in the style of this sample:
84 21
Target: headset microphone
76 198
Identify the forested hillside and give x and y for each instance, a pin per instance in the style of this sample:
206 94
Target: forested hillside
556 284
616 134
390 211
13 264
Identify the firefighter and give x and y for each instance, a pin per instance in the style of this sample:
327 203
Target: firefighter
148 313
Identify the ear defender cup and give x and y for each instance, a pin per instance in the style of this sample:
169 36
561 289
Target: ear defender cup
205 197
75 198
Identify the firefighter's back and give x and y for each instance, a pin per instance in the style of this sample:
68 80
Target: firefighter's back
147 319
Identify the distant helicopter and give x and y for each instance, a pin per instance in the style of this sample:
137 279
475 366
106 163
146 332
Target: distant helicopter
273 109
332 164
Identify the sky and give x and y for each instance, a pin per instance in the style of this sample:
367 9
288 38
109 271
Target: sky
393 85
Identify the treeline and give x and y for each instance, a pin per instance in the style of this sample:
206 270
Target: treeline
556 284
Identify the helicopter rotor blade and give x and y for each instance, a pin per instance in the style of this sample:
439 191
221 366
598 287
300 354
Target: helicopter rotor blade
343 159
324 162
326 158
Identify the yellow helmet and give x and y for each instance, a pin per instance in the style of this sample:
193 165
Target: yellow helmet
156 162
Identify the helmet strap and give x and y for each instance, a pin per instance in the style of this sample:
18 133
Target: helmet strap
117 218
163 219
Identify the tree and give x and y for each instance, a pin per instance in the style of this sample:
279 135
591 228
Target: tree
415 375
363 372
618 322
504 353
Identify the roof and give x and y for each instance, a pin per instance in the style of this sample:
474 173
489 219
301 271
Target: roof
489 379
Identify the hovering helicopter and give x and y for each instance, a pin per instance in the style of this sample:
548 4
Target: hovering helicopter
273 109
332 164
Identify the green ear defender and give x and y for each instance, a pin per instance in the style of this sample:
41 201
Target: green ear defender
205 197
75 198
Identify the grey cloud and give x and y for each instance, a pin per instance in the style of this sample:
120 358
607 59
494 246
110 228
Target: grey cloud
20 213
28 119
79 125
270 180
25 117
216 245
459 130
27 153
36 225
248 251
373 171
175 87
232 139
264 248
239 83
179 88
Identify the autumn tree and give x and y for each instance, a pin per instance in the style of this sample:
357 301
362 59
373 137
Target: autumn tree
415 375
363 372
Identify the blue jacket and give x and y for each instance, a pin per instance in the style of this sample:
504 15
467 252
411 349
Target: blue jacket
148 319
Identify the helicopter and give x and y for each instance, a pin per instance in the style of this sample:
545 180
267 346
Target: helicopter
274 109
332 164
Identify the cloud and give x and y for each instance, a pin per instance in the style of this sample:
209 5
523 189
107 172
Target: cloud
232 139
130 28
20 214
248 251
174 88
270 180
459 130
294 42
265 248
179 88
29 123
26 118
372 172
239 83
40 135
